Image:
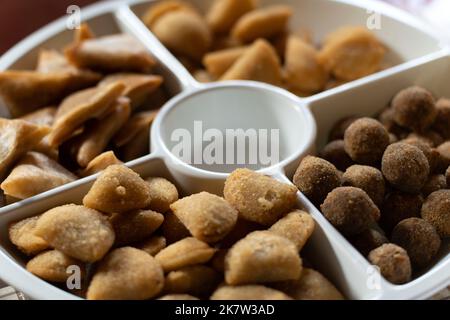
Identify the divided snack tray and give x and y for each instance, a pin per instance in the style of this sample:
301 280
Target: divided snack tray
303 124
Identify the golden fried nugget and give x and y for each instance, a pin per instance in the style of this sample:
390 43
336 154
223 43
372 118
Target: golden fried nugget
249 292
98 134
162 193
33 174
136 148
79 232
118 189
311 286
50 60
186 252
113 53
223 14
135 226
17 137
152 245
259 63
100 163
82 106
172 228
261 257
195 280
21 234
185 32
208 217
138 87
218 62
178 297
53 266
303 72
139 122
259 198
262 23
41 117
352 52
159 9
296 226
126 274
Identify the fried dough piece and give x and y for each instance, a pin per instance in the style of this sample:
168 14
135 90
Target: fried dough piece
162 193
159 9
118 189
138 123
35 173
259 63
100 163
17 137
218 62
352 52
195 280
126 274
21 234
303 72
262 23
173 230
138 87
138 147
41 117
76 109
248 292
98 134
152 245
79 232
53 266
223 14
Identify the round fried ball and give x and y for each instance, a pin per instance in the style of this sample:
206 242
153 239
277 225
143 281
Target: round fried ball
399 206
414 108
434 183
338 130
393 262
405 167
419 238
444 154
368 240
316 177
365 141
368 179
441 124
350 210
436 210
334 152
431 154
430 137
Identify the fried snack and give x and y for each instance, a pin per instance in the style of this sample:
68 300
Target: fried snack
259 63
208 217
184 297
367 178
223 14
442 118
21 234
186 252
312 285
152 245
296 226
414 108
334 152
419 238
248 292
436 210
41 117
393 262
113 53
338 130
17 137
173 230
262 23
368 240
405 167
118 189
135 226
98 134
365 141
434 183
260 257
162 194
195 280
159 9
259 198
303 72
79 232
33 174
352 52
350 210
430 137
53 266
138 87
76 109
219 62
139 122
126 274
432 154
399 206
443 155
100 163
218 260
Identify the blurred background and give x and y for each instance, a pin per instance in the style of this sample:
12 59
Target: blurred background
19 18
